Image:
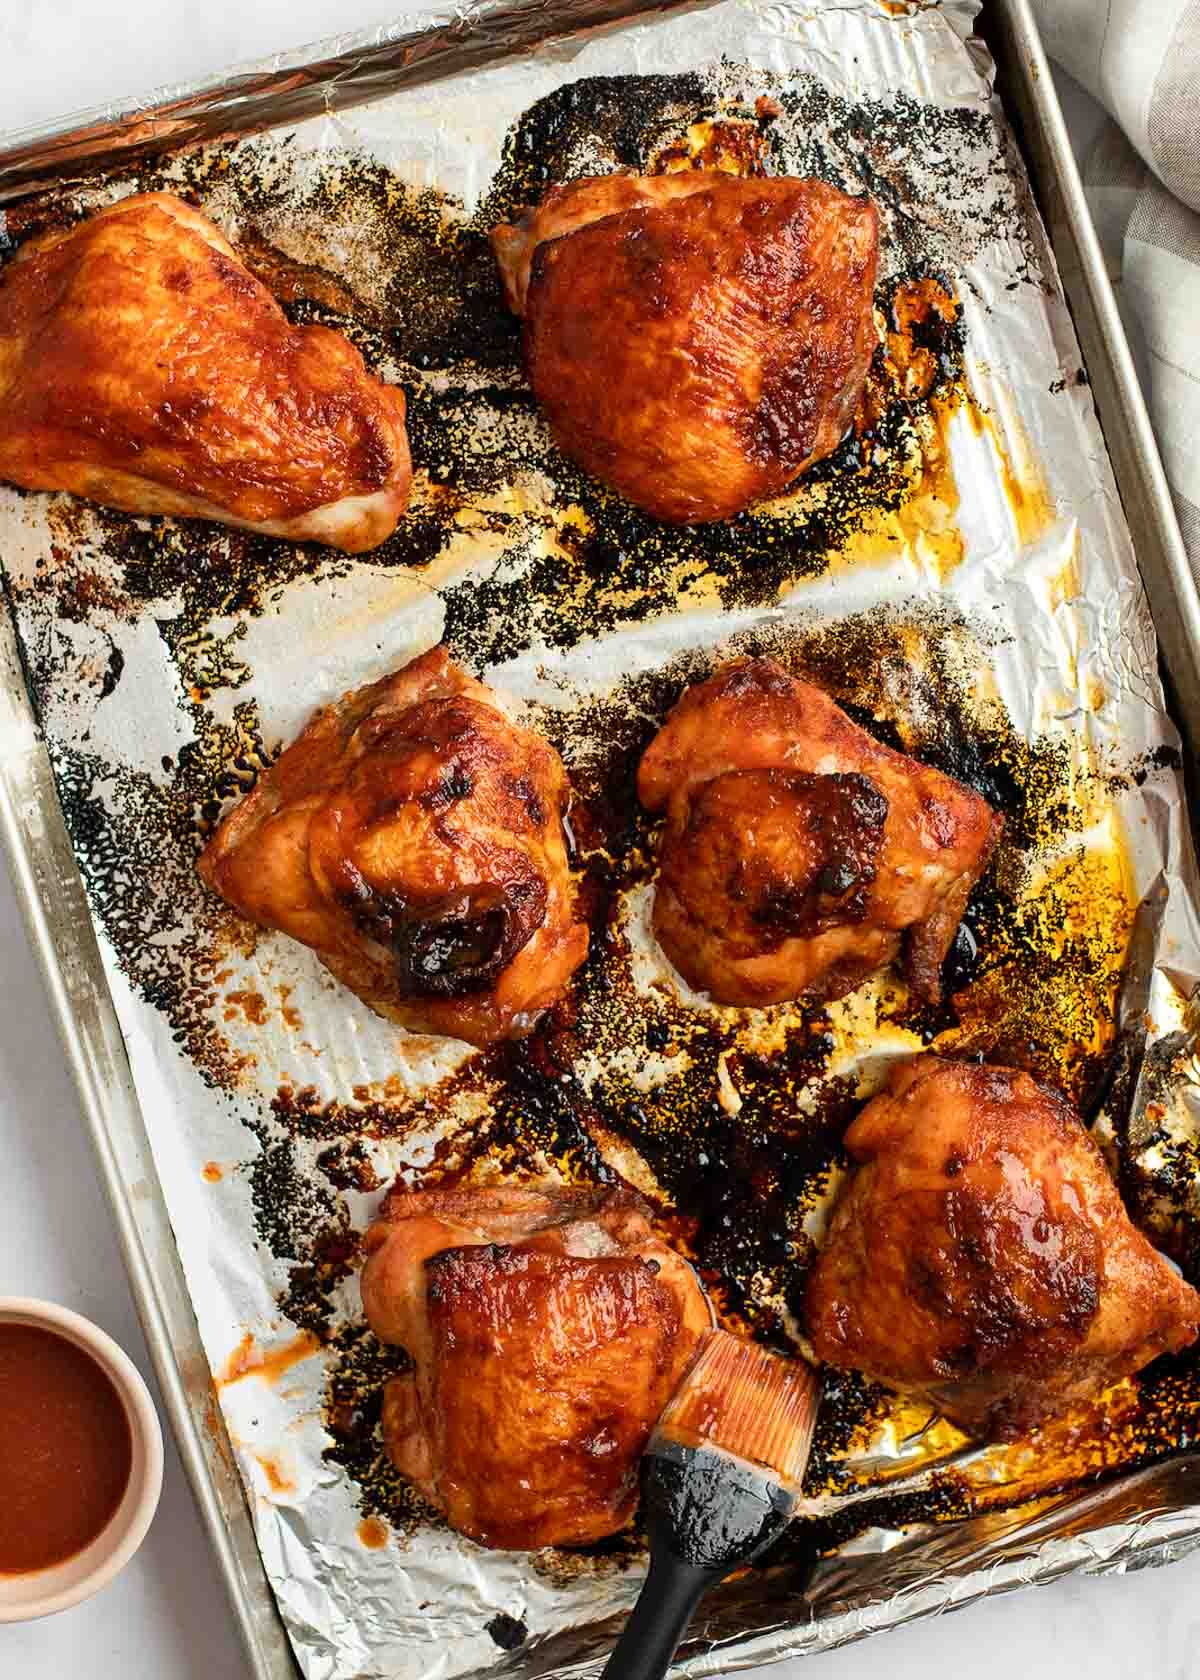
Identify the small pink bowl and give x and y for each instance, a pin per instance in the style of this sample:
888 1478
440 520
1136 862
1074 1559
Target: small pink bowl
45 1591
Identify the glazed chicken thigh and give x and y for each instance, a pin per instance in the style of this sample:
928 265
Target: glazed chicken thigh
547 1329
143 366
800 855
698 339
981 1254
412 836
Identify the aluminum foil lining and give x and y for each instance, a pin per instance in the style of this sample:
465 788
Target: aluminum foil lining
976 569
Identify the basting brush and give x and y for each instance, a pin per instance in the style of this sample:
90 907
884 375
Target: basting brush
720 1481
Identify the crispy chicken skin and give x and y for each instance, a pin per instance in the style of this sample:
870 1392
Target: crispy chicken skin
696 340
800 855
143 366
547 1328
982 1256
577 204
412 836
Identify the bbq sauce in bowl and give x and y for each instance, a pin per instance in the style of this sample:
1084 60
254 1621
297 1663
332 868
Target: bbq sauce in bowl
66 1448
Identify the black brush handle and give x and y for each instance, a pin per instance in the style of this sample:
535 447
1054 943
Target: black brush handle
706 1513
670 1594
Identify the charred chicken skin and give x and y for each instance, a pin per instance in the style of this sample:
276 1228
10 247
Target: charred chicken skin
799 854
696 340
547 1329
412 836
982 1256
143 366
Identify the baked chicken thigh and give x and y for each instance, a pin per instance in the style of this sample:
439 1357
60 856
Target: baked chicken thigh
696 340
800 855
982 1256
143 366
547 1329
412 836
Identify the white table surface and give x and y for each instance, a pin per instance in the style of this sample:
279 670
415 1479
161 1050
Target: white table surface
166 1617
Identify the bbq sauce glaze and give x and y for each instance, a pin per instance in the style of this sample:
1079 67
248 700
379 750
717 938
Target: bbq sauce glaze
66 1451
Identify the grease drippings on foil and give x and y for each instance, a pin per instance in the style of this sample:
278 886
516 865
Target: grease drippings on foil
266 1364
731 1121
359 1368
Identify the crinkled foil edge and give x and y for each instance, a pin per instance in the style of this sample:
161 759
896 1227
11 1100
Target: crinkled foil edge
326 76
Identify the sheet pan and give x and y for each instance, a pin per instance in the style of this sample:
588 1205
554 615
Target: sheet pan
1143 1517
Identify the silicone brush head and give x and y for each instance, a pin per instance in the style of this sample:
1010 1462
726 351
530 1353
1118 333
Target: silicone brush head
751 1403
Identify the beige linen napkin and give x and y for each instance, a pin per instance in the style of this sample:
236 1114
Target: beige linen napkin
1141 60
